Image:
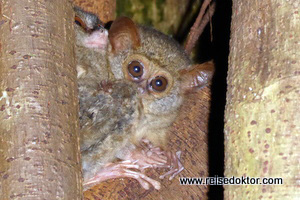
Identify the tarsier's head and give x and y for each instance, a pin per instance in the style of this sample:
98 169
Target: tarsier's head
156 63
152 61
160 68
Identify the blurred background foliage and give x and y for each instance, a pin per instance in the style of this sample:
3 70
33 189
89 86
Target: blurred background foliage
165 15
172 17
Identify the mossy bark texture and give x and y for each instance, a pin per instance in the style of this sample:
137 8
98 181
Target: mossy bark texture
262 130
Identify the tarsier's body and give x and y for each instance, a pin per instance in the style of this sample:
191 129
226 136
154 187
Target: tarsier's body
130 91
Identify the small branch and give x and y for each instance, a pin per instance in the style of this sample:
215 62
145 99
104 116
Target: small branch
199 25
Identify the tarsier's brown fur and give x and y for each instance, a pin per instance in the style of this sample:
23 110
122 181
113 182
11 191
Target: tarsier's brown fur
118 110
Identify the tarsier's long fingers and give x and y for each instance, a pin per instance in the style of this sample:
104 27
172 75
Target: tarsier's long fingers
142 179
148 156
147 159
110 171
146 144
152 152
175 165
122 170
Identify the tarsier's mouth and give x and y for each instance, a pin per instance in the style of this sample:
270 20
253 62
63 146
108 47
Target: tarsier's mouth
140 109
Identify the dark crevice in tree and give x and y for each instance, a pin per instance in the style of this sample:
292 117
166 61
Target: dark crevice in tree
220 49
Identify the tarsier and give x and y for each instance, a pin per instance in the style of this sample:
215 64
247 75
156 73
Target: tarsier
132 81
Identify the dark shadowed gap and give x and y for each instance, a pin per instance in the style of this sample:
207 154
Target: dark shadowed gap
221 35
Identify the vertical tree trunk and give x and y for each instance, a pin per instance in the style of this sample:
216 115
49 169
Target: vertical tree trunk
262 130
39 146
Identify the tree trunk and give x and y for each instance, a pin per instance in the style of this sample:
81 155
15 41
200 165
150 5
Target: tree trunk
39 146
262 130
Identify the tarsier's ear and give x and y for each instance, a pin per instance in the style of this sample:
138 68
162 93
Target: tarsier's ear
197 76
123 34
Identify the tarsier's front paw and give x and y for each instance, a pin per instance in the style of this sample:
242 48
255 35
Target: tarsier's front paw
147 157
150 156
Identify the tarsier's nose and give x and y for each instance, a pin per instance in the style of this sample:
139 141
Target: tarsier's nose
142 87
141 90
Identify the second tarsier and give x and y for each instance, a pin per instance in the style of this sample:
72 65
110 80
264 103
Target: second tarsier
132 81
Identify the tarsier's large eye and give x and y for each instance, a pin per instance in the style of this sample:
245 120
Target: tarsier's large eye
135 69
159 84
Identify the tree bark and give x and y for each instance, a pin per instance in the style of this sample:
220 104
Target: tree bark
262 130
39 146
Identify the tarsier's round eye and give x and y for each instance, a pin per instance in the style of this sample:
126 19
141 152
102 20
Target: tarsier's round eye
136 69
159 84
